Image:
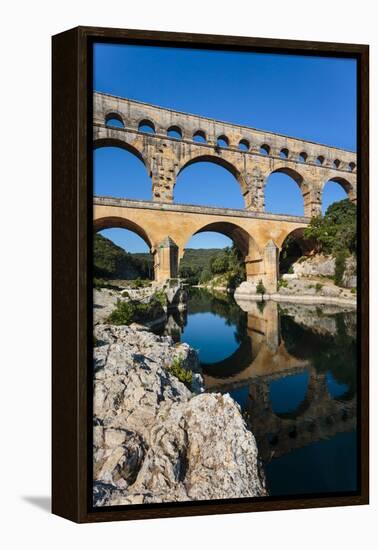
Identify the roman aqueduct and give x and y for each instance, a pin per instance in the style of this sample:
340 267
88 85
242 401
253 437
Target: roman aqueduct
168 141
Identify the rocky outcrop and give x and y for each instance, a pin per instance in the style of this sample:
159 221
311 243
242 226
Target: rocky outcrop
154 439
318 265
105 299
324 266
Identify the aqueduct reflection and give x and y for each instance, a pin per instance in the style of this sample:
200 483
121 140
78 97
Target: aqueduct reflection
276 344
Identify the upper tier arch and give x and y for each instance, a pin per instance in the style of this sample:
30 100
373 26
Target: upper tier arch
165 156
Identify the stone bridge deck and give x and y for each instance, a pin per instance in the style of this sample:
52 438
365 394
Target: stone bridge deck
167 228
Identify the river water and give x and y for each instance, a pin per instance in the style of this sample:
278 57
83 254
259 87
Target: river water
292 369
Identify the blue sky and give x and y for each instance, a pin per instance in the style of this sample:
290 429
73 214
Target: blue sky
307 97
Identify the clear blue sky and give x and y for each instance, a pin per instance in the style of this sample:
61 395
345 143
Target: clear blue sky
307 97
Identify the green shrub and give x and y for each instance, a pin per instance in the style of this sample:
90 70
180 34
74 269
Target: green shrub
185 376
318 287
135 312
291 270
125 294
260 289
161 297
282 283
353 290
123 314
139 283
336 230
205 276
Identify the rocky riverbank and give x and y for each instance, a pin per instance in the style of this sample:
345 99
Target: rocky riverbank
171 296
155 438
301 290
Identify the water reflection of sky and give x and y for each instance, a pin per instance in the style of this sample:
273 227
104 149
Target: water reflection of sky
326 462
211 336
328 465
335 389
286 394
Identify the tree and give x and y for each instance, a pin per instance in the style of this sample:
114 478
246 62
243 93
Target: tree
336 230
205 276
219 264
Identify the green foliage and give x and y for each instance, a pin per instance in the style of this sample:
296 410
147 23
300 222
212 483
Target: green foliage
353 290
161 297
135 312
194 262
185 376
335 231
123 314
318 287
260 289
205 276
125 294
282 283
201 265
340 261
219 263
139 283
113 262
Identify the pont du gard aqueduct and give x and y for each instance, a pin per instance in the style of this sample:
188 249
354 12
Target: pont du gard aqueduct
173 141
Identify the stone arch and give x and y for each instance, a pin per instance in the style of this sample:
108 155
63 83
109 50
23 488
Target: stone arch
116 143
299 180
201 134
175 132
223 141
110 222
114 114
245 243
293 246
244 144
121 144
220 161
344 183
147 123
242 239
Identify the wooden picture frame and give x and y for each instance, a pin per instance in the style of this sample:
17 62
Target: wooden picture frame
72 236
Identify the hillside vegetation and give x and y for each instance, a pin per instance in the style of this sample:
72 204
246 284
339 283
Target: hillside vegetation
112 262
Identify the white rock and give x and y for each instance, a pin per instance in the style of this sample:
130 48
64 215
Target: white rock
160 442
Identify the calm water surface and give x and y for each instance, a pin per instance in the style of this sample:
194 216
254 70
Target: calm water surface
292 369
